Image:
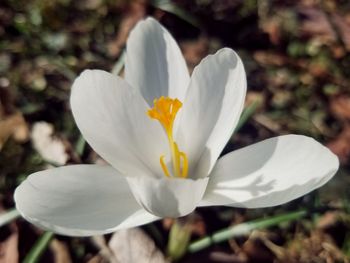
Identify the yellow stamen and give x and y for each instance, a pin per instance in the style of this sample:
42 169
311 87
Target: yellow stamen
165 110
185 165
165 169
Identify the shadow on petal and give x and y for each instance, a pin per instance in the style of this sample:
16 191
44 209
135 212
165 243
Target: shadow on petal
273 198
270 173
168 197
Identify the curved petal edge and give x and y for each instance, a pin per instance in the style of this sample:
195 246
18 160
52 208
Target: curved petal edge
168 197
79 200
213 105
270 173
154 63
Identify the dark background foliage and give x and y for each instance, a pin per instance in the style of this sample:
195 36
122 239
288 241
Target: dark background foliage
296 55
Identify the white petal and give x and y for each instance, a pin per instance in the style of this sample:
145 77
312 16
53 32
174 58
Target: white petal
168 197
211 109
154 62
271 172
80 200
112 118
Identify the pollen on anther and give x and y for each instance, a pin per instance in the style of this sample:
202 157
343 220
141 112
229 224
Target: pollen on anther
165 110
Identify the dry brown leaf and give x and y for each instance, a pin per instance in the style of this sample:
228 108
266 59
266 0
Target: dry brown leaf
270 59
256 251
272 27
340 107
341 145
136 11
328 219
316 24
13 125
219 256
7 106
266 238
133 245
60 251
105 252
195 51
255 97
343 28
268 123
338 51
8 249
51 149
97 259
318 247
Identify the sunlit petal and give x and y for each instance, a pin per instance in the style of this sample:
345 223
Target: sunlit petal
112 118
270 172
80 200
154 62
211 109
168 197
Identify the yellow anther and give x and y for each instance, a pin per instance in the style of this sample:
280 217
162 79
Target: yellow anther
165 110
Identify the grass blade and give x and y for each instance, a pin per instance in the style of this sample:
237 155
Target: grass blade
119 65
243 229
39 248
8 217
80 146
246 114
174 9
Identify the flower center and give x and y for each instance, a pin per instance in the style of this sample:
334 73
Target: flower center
165 110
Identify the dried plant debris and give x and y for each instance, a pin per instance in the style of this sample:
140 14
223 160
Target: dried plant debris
13 126
50 148
296 55
133 245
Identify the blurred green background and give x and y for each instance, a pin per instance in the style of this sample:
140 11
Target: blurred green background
296 55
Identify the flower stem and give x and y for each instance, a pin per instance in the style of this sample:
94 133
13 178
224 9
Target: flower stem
179 237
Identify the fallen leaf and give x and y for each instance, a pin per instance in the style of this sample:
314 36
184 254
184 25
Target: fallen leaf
316 247
314 23
341 146
60 251
133 245
256 251
343 27
51 149
7 100
8 249
135 12
268 123
219 256
195 50
272 27
270 59
15 126
328 219
97 259
340 107
105 252
9 242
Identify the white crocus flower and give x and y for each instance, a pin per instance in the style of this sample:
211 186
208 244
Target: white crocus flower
162 133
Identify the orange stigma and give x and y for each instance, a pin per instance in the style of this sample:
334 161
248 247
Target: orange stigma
165 110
